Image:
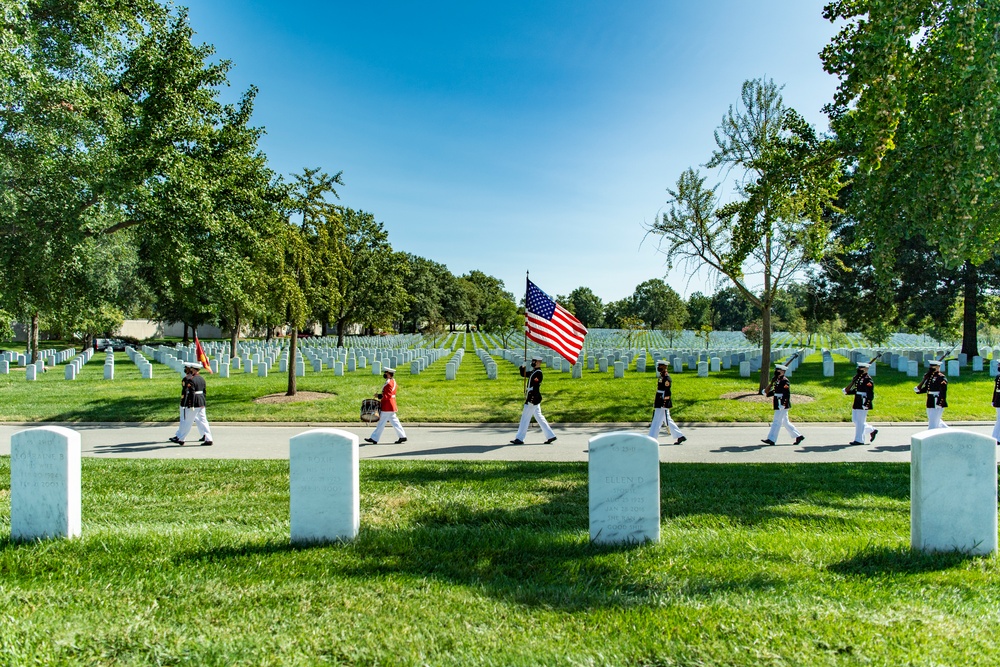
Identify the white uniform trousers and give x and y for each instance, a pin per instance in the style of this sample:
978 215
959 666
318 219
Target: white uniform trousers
862 428
934 418
388 416
661 416
195 416
180 423
781 419
527 413
996 428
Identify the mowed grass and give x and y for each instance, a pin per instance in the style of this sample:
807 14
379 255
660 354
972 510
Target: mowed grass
189 562
428 397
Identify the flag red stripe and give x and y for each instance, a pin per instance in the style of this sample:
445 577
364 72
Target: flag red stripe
540 331
571 345
565 354
570 319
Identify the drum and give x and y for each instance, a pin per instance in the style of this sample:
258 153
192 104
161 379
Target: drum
370 409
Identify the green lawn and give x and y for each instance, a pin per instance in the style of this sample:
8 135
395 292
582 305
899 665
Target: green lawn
188 562
428 397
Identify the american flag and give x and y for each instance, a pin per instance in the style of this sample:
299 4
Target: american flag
553 326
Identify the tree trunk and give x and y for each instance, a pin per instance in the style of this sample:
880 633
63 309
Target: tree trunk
765 359
341 325
186 334
970 333
34 337
234 335
292 353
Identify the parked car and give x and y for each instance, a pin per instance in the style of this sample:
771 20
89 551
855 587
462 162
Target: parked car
115 344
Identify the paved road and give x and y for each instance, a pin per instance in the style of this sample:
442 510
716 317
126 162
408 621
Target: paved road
712 443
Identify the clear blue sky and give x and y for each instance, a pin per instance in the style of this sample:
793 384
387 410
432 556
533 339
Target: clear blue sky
513 136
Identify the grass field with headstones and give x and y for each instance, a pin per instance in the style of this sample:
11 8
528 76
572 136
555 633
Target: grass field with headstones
189 562
471 398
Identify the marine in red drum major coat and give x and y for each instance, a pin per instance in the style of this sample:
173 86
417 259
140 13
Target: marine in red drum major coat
387 399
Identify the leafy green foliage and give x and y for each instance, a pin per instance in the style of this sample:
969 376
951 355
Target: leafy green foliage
917 107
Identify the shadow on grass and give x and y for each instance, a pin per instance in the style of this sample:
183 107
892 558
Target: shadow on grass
878 561
535 550
124 408
516 531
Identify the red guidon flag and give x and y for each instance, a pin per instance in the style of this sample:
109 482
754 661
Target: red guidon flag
202 357
551 325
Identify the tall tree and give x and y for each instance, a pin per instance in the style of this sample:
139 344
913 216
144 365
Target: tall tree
787 179
426 289
312 241
587 307
732 310
502 319
917 109
699 312
371 278
100 107
655 302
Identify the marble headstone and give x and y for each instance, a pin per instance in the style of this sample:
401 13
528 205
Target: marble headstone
953 491
325 493
624 484
45 496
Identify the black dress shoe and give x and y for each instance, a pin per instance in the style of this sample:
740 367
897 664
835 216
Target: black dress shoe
680 440
872 436
550 440
799 439
206 443
201 439
515 441
767 442
852 443
374 442
400 441
173 438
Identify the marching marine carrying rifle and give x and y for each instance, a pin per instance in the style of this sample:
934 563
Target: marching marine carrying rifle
857 375
922 387
774 376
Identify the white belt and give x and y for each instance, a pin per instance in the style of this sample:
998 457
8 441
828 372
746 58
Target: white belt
862 393
661 393
199 392
933 393
779 395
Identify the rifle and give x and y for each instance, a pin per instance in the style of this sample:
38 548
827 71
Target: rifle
854 382
774 377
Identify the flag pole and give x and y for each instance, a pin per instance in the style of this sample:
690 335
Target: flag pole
527 279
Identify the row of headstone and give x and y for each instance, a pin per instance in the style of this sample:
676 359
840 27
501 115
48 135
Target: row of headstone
488 363
953 488
76 364
451 368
